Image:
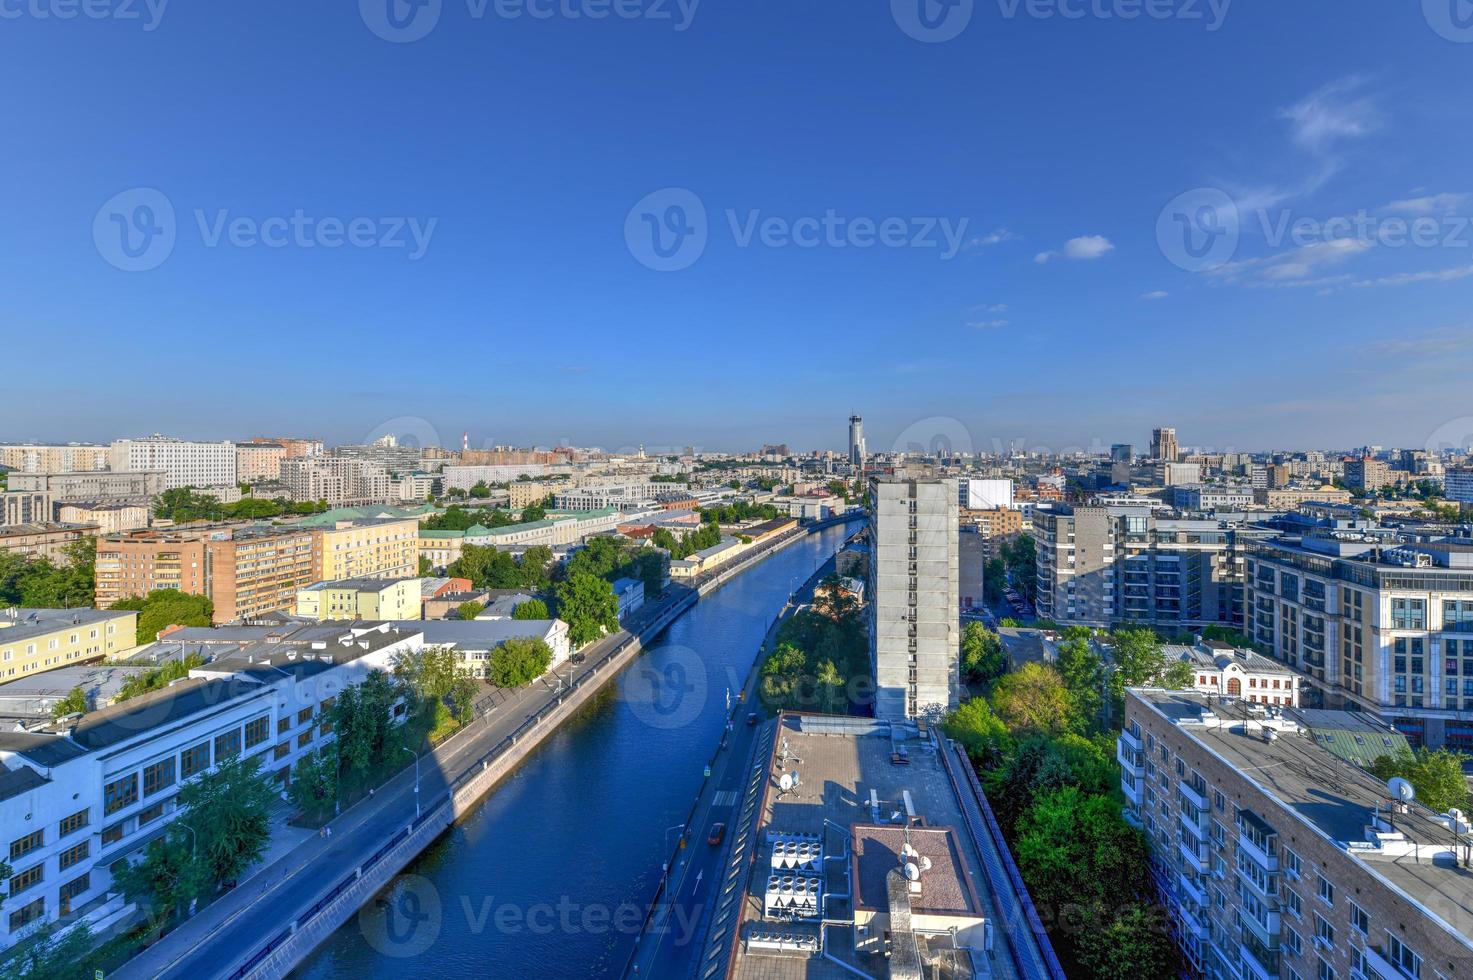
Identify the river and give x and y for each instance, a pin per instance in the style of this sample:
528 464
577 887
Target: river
551 875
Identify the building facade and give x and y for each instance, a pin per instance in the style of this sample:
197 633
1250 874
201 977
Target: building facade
914 572
49 541
258 462
53 459
184 463
109 518
387 548
36 640
363 599
1279 860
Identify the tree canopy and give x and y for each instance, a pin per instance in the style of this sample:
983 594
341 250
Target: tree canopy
519 661
167 607
1437 777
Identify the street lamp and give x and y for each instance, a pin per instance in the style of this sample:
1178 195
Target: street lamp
416 778
665 865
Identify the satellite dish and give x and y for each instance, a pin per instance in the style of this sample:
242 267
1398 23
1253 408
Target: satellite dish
785 783
1401 789
925 863
909 851
912 873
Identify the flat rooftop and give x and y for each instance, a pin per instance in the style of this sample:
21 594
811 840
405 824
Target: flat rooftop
17 625
838 762
1330 795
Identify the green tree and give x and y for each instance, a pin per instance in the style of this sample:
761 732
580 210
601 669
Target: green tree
589 607
183 505
1140 661
1083 672
982 654
469 610
535 566
167 607
1135 942
1076 849
229 809
314 786
167 879
531 609
1021 557
480 491
533 512
1437 776
978 730
46 956
518 661
425 568
75 703
361 719
158 678
1034 698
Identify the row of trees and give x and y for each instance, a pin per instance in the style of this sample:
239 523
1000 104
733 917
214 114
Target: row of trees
821 658
740 510
490 568
183 505
1045 753
162 608
457 518
706 536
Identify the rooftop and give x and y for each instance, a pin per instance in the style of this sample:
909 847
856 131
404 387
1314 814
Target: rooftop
18 625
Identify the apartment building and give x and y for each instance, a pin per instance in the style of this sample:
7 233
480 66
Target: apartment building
53 459
102 487
466 477
78 797
1225 671
25 507
1278 859
1367 474
915 596
184 463
524 493
342 482
45 540
1458 485
37 640
1381 628
292 448
1206 497
362 599
258 462
625 496
109 518
1098 566
990 494
245 571
385 453
372 548
995 527
1290 499
1163 445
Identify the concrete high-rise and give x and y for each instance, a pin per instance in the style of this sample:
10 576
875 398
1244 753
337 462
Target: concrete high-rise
856 440
1163 445
914 567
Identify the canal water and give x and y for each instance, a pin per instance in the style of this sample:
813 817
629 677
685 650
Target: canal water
552 875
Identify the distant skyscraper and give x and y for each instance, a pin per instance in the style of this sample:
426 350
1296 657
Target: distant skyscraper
856 440
1163 445
914 570
1122 452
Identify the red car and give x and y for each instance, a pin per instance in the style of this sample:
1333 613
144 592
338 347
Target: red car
718 834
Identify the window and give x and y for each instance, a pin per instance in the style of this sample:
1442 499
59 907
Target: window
1291 862
228 744
1402 957
28 878
1293 903
1408 614
194 760
113 834
304 716
1327 890
282 750
158 776
1324 971
282 724
304 739
1292 941
25 845
120 793
72 824
72 855
1359 921
71 890
27 914
257 730
1323 931
150 814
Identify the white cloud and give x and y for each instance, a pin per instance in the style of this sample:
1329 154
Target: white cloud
1088 247
988 324
1156 294
1431 204
1335 112
1294 267
1407 278
1083 248
990 308
996 238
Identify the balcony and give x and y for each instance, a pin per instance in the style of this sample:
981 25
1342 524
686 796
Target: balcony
1193 852
1190 888
1196 798
1130 787
1380 966
1250 850
1192 925
1132 760
1254 966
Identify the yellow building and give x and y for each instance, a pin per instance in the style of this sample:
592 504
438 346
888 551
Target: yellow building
364 598
34 640
374 548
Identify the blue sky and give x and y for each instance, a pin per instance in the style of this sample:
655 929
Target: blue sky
527 151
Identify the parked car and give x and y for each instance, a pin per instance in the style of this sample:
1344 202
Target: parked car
751 718
718 834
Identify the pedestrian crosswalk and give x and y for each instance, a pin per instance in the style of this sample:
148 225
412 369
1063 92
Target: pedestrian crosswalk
725 797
